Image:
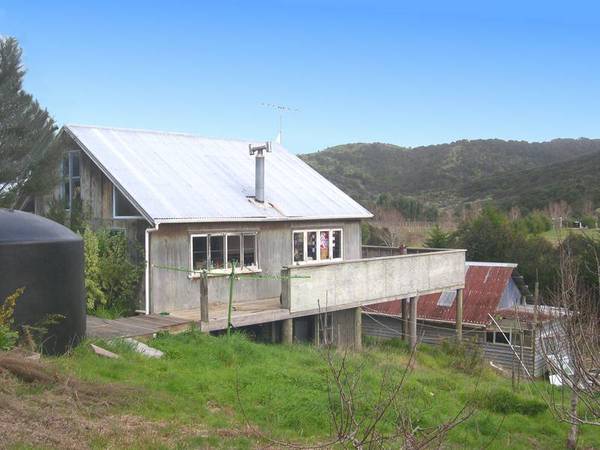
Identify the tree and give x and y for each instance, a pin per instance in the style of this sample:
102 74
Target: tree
27 132
438 238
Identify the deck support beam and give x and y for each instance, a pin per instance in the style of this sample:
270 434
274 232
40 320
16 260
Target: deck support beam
413 322
404 321
287 331
358 329
459 314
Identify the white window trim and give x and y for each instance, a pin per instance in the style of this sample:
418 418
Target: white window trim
114 206
226 269
305 242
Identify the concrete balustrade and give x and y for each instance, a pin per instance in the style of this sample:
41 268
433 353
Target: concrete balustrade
343 284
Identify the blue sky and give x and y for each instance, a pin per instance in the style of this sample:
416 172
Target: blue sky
408 73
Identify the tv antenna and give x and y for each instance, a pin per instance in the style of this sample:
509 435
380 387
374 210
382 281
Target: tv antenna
281 110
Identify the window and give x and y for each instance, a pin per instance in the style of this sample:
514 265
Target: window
122 208
496 337
199 252
221 251
217 252
234 250
446 298
298 246
311 246
316 245
336 244
71 187
249 250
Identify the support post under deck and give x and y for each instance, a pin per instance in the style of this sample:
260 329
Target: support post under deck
413 322
287 331
358 329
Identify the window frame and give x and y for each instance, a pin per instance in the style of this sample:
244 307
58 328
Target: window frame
509 334
114 206
69 177
226 266
318 231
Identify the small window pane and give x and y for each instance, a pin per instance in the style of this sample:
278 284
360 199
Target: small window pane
489 337
76 186
249 250
123 208
500 339
515 338
199 253
299 246
311 245
74 164
324 244
336 244
233 250
216 252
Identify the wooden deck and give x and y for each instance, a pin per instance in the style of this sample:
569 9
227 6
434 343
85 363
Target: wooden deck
136 326
243 314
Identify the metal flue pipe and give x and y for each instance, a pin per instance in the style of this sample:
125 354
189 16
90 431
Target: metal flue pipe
259 176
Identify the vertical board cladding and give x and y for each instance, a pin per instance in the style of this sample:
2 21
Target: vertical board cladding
170 248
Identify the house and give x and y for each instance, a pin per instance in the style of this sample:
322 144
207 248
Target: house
204 207
494 314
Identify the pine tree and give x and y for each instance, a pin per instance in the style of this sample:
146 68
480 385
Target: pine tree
28 152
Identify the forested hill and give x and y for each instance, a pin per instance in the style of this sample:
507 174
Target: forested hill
514 172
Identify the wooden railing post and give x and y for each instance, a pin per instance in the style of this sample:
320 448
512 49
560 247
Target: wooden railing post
204 301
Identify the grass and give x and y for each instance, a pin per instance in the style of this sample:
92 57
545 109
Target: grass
557 235
191 392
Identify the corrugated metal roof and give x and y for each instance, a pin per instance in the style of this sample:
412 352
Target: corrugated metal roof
484 285
185 178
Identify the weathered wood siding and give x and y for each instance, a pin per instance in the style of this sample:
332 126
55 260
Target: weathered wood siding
390 327
170 248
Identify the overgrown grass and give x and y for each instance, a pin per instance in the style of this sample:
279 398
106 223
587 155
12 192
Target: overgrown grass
284 393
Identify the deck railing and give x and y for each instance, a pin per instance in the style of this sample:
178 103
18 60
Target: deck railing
344 284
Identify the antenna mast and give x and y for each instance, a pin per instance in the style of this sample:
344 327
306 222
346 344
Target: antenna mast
281 109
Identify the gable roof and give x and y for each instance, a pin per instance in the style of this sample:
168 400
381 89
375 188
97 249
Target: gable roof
176 177
485 284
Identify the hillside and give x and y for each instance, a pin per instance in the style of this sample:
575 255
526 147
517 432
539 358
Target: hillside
219 392
449 174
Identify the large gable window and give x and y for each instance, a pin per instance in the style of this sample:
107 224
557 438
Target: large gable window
71 187
317 245
223 250
122 208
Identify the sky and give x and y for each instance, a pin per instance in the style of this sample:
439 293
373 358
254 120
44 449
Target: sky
407 73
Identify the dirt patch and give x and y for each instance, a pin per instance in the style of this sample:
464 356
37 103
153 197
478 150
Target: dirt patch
41 408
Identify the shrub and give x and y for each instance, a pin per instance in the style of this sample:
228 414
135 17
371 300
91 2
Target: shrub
503 401
464 356
112 277
9 337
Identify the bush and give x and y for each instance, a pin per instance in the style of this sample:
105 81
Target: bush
503 401
111 275
8 336
464 356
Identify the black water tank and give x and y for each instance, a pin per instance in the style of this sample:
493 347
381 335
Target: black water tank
46 259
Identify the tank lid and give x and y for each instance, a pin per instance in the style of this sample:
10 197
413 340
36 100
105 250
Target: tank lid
20 226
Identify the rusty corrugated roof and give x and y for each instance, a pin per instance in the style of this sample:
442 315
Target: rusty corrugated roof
484 285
